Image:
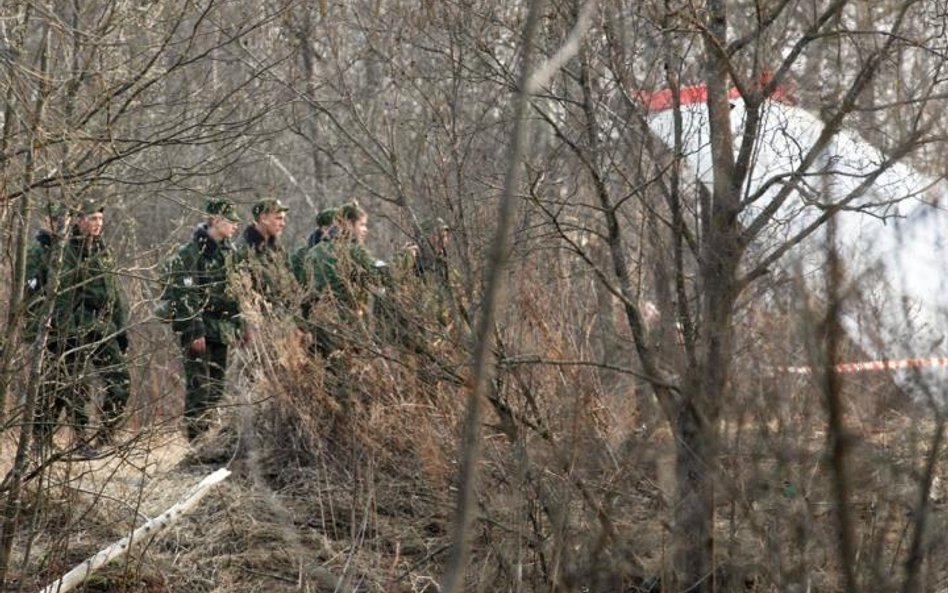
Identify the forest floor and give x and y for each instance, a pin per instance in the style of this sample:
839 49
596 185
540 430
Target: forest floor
245 535
319 501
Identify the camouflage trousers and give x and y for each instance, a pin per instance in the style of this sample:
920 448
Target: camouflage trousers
205 382
72 364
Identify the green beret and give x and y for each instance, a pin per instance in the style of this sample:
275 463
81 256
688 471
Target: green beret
268 206
223 208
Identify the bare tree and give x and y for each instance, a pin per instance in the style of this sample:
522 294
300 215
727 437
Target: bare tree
642 424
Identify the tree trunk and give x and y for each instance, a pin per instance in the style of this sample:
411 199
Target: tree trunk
14 479
706 382
20 223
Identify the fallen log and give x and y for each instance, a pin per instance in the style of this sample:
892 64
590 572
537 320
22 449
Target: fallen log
151 528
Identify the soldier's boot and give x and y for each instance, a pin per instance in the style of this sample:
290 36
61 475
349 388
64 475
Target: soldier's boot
85 450
197 426
81 439
104 438
107 435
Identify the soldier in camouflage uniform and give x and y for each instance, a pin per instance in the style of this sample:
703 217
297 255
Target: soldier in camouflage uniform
342 272
325 231
265 261
325 226
204 312
431 253
38 259
422 276
87 333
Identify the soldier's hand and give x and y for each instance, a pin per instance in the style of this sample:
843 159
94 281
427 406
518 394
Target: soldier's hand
198 346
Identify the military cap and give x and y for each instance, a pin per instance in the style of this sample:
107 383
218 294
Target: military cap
268 206
430 225
90 206
57 210
326 217
350 211
223 208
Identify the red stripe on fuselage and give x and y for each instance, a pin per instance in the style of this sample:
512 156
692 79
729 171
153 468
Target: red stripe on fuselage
690 95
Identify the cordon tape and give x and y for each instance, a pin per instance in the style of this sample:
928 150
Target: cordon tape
877 365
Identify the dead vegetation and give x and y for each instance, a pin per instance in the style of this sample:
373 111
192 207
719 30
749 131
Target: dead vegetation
345 480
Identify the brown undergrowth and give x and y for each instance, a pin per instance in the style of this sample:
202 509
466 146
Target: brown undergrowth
345 480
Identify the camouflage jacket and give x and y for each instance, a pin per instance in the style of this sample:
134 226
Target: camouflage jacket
341 270
266 267
37 278
432 264
198 288
425 279
431 267
89 299
297 259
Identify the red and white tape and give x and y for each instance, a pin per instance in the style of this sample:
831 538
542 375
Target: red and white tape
877 365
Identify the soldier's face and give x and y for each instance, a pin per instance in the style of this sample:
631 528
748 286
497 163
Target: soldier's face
360 229
229 228
222 228
90 225
271 224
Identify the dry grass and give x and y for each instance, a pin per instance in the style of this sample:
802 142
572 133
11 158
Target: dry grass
345 481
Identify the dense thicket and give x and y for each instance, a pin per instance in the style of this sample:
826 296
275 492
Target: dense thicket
638 431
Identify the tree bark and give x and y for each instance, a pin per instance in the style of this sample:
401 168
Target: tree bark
470 446
11 506
706 382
